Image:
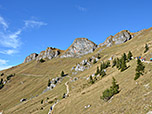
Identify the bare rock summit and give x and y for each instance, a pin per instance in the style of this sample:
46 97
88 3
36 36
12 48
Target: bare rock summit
80 47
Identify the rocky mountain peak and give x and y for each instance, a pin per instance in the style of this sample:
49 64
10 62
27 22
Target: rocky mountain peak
49 53
80 46
119 38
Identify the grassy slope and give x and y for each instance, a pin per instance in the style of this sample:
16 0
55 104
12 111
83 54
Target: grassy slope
131 99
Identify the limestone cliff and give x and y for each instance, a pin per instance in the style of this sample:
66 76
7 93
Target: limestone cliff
49 53
119 38
80 46
31 57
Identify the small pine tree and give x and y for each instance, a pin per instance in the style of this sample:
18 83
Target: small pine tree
118 63
62 74
98 71
49 83
115 86
124 56
137 75
123 65
140 66
42 101
114 63
146 48
103 65
102 73
94 61
91 80
129 55
108 64
95 78
108 93
1 83
139 69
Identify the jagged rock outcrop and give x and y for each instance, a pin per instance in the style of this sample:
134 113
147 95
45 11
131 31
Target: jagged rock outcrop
31 57
119 38
80 46
48 53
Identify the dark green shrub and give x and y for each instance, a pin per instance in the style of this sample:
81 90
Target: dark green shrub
146 48
42 60
62 74
108 93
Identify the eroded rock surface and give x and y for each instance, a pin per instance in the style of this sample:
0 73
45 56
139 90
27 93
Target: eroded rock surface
80 46
119 38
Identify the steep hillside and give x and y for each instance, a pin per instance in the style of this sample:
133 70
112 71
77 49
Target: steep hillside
31 79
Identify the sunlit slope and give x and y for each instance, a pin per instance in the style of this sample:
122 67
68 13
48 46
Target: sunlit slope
133 97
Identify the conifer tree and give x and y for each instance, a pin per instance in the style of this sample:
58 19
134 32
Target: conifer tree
123 64
62 74
129 55
115 86
49 83
102 73
103 65
98 71
139 70
108 93
108 64
146 48
94 61
91 80
114 63
124 56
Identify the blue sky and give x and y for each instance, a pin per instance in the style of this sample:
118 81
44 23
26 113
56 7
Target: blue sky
28 26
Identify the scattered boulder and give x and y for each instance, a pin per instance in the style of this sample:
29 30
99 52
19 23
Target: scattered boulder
87 106
150 112
23 99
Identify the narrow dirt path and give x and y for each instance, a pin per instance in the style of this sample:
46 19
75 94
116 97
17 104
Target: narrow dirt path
67 87
52 107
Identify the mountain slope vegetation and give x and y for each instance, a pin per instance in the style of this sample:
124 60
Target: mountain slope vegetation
31 80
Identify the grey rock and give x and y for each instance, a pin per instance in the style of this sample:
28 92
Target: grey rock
119 38
80 47
30 57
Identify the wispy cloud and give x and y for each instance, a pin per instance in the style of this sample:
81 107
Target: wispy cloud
4 65
3 62
80 8
3 23
33 23
9 51
11 40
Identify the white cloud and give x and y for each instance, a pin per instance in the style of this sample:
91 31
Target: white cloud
9 51
5 67
10 40
3 23
33 23
80 8
3 62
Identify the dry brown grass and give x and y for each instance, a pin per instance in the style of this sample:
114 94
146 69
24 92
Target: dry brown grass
132 99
